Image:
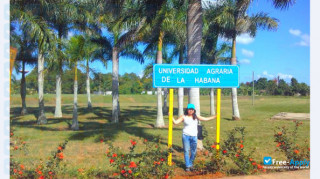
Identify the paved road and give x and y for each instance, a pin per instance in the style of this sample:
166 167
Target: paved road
299 174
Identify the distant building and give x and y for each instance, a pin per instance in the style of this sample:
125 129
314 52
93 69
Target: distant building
143 92
108 93
149 92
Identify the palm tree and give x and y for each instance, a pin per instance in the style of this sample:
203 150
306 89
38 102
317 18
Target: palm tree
60 18
238 22
194 37
179 36
25 55
32 16
75 50
123 23
154 35
211 52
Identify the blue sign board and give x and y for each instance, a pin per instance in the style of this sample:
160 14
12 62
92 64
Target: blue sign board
195 76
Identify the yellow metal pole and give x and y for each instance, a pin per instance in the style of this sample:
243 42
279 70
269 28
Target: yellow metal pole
170 126
218 117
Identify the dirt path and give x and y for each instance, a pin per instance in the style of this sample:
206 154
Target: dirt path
299 174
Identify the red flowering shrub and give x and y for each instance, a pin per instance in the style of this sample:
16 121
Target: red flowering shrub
286 143
152 162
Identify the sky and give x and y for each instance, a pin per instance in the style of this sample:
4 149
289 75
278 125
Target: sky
284 52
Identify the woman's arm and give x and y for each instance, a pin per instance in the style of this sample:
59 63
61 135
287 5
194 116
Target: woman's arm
179 120
206 118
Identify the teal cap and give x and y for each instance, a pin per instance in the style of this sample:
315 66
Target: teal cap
191 106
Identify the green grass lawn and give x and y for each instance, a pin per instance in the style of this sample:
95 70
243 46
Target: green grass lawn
138 115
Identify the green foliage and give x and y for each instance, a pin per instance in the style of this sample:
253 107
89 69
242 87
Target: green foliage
152 162
287 143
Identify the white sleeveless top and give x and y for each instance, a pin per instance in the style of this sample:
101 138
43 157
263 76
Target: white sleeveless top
190 126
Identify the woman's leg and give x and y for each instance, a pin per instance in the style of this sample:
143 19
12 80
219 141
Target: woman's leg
193 146
186 148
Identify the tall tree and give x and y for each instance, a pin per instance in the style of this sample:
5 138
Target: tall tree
75 50
123 21
32 16
239 22
194 37
26 48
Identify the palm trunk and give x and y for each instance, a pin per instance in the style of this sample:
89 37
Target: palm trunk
180 90
115 85
165 97
88 87
75 123
212 108
159 121
41 117
194 35
23 90
58 112
235 108
180 101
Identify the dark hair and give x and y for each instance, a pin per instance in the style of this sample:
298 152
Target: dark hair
194 116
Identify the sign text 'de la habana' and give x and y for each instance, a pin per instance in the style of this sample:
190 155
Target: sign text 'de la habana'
201 76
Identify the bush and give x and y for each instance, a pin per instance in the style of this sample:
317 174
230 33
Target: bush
287 143
152 162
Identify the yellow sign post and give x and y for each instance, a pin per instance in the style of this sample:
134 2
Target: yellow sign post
218 117
170 126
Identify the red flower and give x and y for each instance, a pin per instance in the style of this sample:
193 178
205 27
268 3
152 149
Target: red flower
14 170
250 159
145 140
40 172
101 140
111 160
115 174
254 163
264 170
309 148
241 146
60 155
114 155
22 167
130 171
16 147
241 141
162 159
237 155
41 177
259 166
11 134
166 176
279 133
20 172
132 165
123 171
296 151
133 142
224 151
50 173
213 146
80 170
59 148
279 143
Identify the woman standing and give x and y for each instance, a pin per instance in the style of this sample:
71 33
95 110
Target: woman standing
190 133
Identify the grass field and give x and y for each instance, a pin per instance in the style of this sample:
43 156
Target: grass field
138 114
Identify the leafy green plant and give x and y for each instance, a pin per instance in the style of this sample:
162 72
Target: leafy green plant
287 143
152 162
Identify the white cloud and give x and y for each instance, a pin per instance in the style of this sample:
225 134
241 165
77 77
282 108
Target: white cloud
245 39
247 53
244 61
304 38
295 32
284 76
267 75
